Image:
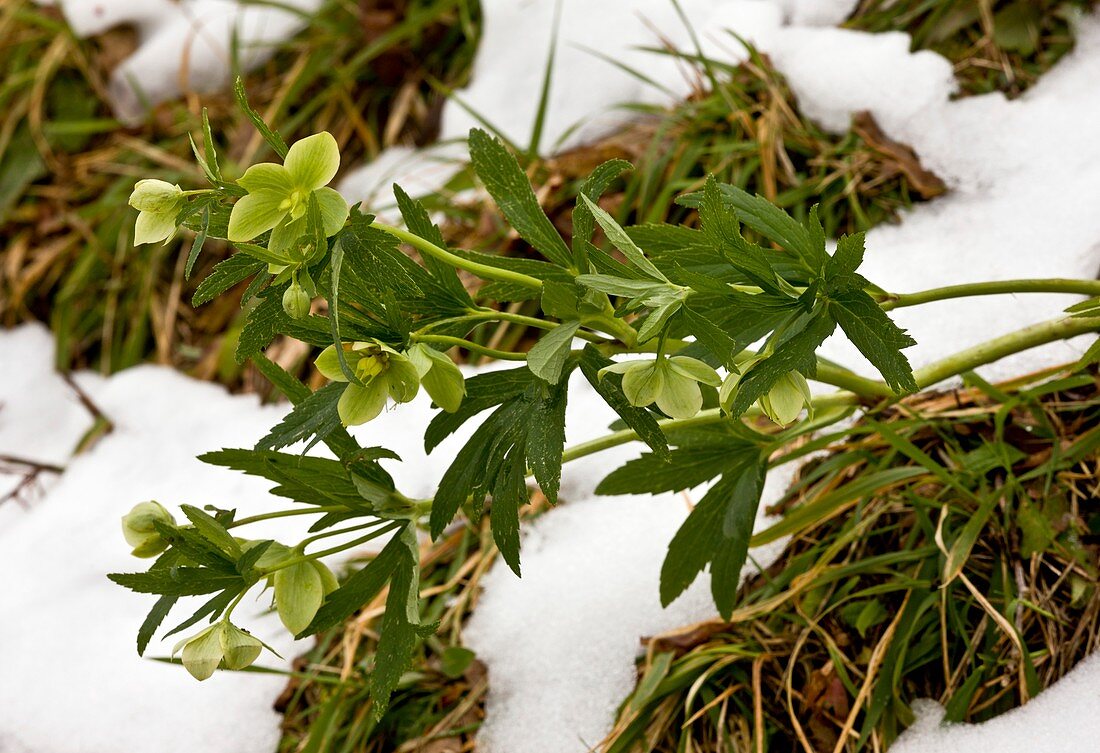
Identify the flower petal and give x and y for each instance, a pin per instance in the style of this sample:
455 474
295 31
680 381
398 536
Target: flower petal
154 227
680 396
360 404
328 363
267 176
643 382
254 214
693 368
313 161
334 210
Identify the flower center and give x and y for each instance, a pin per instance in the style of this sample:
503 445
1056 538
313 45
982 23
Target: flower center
296 203
370 366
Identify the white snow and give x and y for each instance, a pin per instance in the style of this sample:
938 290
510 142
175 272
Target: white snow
186 45
1061 719
561 642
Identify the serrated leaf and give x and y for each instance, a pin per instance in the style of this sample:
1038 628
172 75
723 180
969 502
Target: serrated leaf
153 621
506 182
225 275
877 337
621 240
358 589
313 418
717 532
547 358
213 531
583 221
795 353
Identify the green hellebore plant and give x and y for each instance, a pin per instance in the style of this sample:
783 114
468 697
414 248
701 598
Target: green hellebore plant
382 373
672 383
139 528
158 203
279 195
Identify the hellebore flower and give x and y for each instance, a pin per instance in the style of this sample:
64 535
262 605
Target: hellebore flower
158 203
221 644
672 383
783 403
279 195
382 372
139 529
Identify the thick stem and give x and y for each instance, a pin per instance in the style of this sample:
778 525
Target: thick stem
481 270
998 348
999 287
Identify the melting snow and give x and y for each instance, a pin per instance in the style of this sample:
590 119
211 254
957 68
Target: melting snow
1025 178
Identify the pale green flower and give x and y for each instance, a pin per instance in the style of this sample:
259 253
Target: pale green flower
786 399
278 195
383 372
219 645
139 529
671 383
158 203
441 378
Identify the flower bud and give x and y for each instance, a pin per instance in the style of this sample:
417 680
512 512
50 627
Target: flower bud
202 652
239 648
156 196
139 530
786 399
296 301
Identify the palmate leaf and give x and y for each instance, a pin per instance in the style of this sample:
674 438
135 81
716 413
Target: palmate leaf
547 358
721 227
313 419
584 223
506 182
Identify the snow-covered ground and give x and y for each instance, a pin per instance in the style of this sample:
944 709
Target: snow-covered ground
560 643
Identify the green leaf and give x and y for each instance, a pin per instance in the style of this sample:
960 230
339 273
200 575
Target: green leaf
482 392
273 139
841 267
225 275
263 322
179 581
547 358
399 632
876 336
213 531
717 532
509 494
313 418
683 468
153 621
506 182
196 246
721 227
621 240
419 223
546 438
583 221
771 222
360 588
640 420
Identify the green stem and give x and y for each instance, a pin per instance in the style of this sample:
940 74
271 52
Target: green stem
286 513
492 315
1000 287
503 355
481 270
1006 345
333 550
